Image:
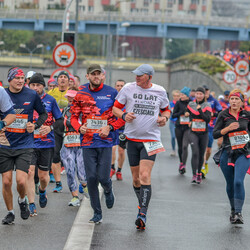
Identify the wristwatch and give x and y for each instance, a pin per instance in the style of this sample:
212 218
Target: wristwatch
111 127
4 123
51 127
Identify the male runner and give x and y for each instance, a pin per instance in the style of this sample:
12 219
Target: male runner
144 101
15 153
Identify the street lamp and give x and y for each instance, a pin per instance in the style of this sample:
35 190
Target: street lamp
124 45
123 25
38 46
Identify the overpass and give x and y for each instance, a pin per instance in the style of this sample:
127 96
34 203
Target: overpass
213 28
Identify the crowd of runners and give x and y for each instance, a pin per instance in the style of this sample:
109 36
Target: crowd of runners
79 129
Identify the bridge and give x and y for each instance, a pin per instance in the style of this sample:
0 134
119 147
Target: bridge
214 28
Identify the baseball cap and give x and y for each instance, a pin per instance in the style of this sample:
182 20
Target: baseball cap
52 81
94 67
30 74
37 78
71 93
205 87
227 92
220 97
144 69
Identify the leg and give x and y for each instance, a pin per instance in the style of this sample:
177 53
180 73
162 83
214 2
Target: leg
7 189
195 152
202 148
30 184
185 142
172 132
121 157
44 179
21 179
179 138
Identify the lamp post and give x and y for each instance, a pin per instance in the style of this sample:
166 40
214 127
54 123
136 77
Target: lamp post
124 45
123 25
38 46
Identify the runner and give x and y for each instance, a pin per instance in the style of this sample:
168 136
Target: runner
15 153
44 145
59 94
71 154
176 97
122 143
199 112
52 83
233 124
94 102
144 101
216 108
28 76
182 127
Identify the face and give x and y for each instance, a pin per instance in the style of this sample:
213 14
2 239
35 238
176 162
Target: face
235 102
143 80
17 84
37 87
51 86
199 96
77 82
226 98
71 83
70 99
95 78
119 85
63 81
192 93
207 93
183 97
176 97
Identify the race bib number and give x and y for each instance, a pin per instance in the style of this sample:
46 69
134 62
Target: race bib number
153 147
184 120
19 125
95 123
238 139
71 139
198 125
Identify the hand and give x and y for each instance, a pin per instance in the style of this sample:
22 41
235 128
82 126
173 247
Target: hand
161 121
130 117
198 106
233 126
83 129
44 130
187 114
104 131
30 127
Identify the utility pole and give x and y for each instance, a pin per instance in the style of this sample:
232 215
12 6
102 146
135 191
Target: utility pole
76 38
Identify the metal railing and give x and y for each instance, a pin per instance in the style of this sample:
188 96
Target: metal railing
119 17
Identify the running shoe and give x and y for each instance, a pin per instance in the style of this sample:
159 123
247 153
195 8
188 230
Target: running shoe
182 168
32 208
110 198
58 188
198 178
173 153
80 188
63 170
86 192
75 202
206 168
112 172
141 221
43 199
8 219
25 212
194 179
52 178
237 219
37 188
231 218
119 176
97 219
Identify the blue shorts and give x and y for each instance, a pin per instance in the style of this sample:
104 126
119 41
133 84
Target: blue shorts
210 139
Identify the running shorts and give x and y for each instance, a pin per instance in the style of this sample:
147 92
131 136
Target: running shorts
42 158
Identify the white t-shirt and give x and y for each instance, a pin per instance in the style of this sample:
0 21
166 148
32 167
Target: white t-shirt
146 105
5 101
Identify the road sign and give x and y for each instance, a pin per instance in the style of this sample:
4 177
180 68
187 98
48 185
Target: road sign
64 55
242 83
57 71
241 67
229 76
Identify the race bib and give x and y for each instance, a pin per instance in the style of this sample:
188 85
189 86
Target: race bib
238 139
71 139
153 147
37 134
184 120
19 125
198 125
95 123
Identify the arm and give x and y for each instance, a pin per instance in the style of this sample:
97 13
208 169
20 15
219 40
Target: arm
125 116
75 113
206 116
177 112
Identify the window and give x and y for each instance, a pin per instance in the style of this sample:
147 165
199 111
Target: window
180 2
91 8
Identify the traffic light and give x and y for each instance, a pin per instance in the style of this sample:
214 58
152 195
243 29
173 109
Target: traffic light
69 37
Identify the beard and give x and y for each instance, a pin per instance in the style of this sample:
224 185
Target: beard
94 84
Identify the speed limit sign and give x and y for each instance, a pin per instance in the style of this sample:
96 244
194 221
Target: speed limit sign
229 76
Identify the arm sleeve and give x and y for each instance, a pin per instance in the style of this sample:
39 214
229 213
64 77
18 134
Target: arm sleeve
206 116
122 97
5 102
177 112
218 127
40 109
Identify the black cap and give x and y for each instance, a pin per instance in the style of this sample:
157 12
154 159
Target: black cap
63 73
227 92
200 89
94 67
37 78
205 87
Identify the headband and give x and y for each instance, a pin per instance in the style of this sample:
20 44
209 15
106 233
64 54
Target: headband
13 73
238 94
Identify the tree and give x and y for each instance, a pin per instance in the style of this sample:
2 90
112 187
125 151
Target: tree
178 47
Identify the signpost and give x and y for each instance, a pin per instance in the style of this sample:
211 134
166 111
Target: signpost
241 68
229 76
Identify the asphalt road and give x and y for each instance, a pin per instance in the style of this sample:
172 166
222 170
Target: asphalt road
181 215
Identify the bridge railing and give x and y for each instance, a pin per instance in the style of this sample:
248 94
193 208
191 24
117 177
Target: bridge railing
119 17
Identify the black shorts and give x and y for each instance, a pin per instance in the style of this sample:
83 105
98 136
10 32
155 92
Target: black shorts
12 159
137 152
42 158
122 140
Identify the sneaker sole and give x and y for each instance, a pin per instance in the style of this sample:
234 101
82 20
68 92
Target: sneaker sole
55 191
71 205
139 223
237 222
32 215
182 171
98 222
11 223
